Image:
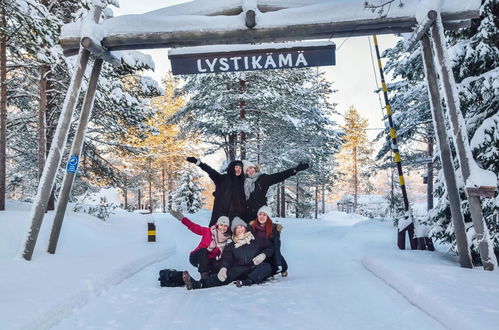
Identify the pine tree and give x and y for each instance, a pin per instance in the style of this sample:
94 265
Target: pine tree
355 154
187 197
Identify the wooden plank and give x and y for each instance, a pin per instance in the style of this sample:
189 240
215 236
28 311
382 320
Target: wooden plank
484 191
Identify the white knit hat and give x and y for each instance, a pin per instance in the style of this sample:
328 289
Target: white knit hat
247 164
265 209
237 222
223 220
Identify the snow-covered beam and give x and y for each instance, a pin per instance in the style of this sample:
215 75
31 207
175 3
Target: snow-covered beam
318 20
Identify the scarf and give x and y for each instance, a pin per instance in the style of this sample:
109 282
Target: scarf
243 239
249 184
218 239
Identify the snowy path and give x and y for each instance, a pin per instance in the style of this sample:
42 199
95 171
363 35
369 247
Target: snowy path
328 288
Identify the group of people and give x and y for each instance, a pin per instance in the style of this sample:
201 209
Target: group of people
241 215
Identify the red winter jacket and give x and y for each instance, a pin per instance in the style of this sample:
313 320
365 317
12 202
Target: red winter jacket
205 233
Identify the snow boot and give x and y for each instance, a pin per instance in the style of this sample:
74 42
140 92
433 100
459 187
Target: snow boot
189 282
284 274
240 283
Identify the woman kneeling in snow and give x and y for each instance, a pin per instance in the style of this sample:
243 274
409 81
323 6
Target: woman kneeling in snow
213 241
264 229
242 261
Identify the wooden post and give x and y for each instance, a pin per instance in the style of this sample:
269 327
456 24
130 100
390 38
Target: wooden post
57 147
76 148
445 155
460 137
55 154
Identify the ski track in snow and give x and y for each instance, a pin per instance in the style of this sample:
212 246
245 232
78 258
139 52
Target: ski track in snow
328 288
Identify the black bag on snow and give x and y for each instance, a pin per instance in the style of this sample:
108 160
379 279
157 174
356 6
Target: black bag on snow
170 278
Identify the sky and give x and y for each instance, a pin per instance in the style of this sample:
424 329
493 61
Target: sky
353 74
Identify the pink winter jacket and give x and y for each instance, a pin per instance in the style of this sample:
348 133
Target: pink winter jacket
206 238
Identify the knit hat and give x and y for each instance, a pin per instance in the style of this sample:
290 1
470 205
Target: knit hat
247 164
223 220
265 209
237 222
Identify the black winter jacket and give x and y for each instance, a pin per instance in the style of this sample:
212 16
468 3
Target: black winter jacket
229 193
239 261
258 197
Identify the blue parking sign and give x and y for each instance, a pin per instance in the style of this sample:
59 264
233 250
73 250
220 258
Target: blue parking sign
72 164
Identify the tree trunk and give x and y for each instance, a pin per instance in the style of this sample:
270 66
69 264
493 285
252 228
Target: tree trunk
278 199
429 174
323 199
316 200
297 197
355 179
139 200
232 147
3 109
242 116
283 200
163 190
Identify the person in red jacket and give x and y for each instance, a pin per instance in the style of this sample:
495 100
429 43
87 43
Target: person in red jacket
213 240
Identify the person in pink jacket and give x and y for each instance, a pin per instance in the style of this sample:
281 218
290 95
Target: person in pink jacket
213 240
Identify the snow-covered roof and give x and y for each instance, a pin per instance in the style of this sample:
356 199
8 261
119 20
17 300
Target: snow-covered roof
202 22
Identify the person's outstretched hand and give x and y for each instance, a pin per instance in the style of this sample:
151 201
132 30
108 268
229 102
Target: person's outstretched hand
177 215
193 160
302 167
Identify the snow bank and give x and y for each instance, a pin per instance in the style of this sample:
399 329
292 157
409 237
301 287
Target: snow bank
91 257
459 298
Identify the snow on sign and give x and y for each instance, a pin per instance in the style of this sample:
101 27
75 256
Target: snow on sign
228 58
72 164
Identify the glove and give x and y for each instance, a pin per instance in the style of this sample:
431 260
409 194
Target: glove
302 167
193 160
222 274
259 259
177 215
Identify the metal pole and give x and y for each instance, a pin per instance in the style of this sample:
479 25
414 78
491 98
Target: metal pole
461 142
445 155
76 148
55 154
408 225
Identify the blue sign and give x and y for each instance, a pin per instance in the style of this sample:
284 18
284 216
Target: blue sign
72 164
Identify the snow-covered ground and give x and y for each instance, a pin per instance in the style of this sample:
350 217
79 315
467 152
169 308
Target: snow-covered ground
345 273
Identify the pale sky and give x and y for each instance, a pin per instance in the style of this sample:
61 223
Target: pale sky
353 74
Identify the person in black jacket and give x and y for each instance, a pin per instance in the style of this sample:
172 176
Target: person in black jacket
243 261
264 229
229 190
257 184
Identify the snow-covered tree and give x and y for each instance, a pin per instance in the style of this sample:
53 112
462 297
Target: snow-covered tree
187 197
275 118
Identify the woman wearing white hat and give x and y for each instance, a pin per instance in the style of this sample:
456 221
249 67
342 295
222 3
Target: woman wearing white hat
257 184
205 257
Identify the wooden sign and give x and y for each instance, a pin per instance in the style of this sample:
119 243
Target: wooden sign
230 58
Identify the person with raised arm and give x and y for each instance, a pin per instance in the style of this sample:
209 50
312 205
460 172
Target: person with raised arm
229 190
